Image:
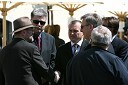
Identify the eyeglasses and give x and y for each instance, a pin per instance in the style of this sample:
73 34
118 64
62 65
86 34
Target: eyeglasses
37 22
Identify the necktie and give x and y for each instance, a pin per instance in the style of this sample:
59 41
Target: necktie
76 49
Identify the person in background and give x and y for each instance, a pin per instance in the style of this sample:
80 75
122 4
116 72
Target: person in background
69 50
120 46
47 28
90 21
44 41
20 61
97 66
54 31
125 36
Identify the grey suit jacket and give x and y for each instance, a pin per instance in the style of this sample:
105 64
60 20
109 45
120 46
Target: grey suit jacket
21 64
48 49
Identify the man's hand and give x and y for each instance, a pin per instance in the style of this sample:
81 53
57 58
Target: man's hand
57 76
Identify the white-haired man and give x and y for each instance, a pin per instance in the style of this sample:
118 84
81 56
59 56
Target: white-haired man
97 66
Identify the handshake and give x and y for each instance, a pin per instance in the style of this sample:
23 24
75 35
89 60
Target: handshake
57 76
55 79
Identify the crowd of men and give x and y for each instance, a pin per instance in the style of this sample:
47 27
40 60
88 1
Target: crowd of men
93 56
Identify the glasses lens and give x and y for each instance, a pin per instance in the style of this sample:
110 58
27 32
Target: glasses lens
37 22
42 22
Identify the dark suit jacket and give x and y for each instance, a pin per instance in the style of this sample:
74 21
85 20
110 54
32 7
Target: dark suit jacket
48 49
21 64
64 54
96 66
0 48
59 42
121 49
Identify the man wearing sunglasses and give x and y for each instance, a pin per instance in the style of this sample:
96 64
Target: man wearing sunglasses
44 41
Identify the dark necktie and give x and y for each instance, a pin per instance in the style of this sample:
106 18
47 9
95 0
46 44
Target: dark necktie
75 49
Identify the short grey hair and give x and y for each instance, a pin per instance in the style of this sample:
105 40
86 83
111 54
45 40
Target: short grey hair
92 18
39 12
101 36
74 22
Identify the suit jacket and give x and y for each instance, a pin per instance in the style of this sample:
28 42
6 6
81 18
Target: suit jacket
0 48
64 54
121 49
21 64
59 42
96 66
48 49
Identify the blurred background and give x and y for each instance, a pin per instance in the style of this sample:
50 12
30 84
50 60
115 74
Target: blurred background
60 12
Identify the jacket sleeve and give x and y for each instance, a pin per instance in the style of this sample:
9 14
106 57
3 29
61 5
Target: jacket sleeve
121 72
40 66
53 54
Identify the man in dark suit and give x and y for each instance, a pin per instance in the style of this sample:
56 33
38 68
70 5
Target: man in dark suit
97 66
120 46
44 41
66 52
20 61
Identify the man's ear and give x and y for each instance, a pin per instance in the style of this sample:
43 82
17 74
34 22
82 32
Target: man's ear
91 27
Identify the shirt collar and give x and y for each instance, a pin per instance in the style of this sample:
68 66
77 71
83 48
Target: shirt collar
114 37
79 43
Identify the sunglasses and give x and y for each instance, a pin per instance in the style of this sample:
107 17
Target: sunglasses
37 22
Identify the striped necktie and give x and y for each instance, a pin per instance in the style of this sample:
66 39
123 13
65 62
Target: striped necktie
75 49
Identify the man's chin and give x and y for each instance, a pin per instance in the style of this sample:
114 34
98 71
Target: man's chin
73 40
37 33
